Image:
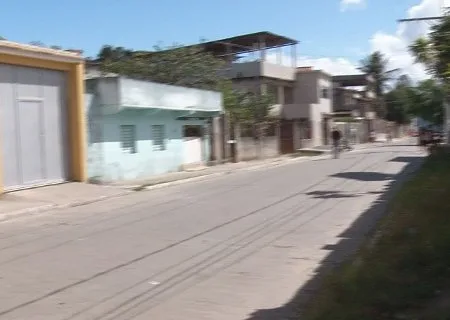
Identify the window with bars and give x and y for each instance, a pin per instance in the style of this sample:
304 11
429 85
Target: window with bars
128 138
158 136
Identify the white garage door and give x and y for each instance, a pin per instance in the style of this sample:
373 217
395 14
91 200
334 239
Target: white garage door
33 126
192 150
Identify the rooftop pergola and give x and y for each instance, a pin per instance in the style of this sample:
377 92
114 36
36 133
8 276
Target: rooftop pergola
230 48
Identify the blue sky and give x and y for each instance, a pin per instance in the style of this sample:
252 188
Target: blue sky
320 25
322 28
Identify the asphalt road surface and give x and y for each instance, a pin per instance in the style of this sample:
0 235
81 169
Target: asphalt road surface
248 245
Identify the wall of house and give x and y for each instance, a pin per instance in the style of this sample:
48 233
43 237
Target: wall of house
93 136
325 106
109 162
260 69
306 90
278 71
145 94
249 148
281 90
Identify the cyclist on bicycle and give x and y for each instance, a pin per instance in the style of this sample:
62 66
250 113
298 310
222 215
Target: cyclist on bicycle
336 137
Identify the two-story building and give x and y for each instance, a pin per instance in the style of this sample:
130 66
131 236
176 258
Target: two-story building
303 95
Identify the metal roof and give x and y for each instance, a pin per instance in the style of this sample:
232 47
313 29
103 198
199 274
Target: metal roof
245 43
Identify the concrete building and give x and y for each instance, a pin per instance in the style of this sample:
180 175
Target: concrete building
354 94
139 129
303 96
353 98
42 120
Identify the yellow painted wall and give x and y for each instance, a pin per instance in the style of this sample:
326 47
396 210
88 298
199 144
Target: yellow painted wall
75 98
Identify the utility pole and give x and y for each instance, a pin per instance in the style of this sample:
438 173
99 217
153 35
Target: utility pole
446 106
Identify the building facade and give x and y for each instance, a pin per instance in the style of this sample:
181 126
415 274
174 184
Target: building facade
42 116
303 96
139 129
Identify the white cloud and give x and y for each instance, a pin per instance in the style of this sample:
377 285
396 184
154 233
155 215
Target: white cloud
393 45
347 4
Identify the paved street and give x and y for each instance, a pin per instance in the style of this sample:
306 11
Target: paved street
240 246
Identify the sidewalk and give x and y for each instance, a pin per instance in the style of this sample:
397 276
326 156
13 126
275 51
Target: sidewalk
74 194
36 200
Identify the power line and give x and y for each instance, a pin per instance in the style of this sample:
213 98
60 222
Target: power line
421 19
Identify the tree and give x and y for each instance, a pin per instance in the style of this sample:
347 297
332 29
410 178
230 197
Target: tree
434 51
427 101
398 101
113 54
376 65
188 67
182 66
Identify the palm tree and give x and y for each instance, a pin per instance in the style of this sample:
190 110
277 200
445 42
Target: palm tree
376 65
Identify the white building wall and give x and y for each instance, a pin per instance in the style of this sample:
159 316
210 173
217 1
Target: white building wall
324 105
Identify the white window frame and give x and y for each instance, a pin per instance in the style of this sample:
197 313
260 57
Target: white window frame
160 143
128 142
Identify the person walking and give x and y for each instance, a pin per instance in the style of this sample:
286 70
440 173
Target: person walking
336 137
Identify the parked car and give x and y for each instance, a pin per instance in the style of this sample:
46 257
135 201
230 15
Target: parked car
438 136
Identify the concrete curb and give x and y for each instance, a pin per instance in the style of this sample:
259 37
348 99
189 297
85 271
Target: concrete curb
206 176
53 206
184 180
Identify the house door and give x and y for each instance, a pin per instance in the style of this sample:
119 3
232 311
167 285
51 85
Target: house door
287 137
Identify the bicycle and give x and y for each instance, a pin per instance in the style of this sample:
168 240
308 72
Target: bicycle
336 149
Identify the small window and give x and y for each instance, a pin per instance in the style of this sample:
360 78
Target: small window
324 93
158 138
128 138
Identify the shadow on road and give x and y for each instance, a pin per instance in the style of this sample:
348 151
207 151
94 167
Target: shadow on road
402 159
330 195
365 176
350 240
